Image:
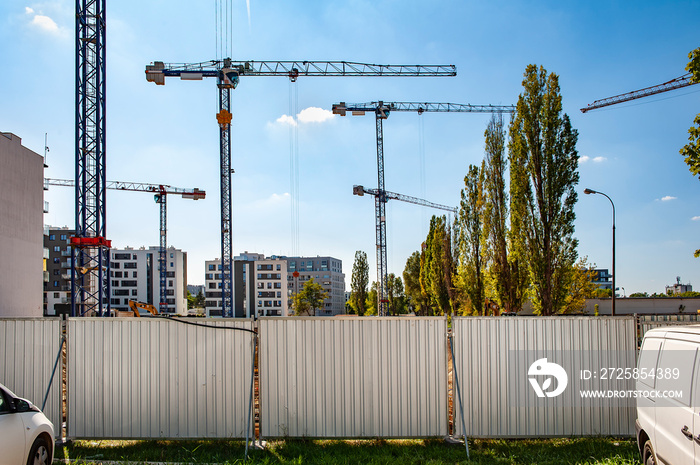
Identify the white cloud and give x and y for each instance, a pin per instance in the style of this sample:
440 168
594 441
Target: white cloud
314 115
286 119
45 23
586 158
695 218
668 198
28 10
307 115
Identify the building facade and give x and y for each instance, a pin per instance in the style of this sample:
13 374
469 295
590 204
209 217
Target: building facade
258 286
328 272
602 278
58 270
135 276
22 229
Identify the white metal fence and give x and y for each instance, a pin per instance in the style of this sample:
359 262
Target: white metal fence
28 351
495 360
324 377
158 378
353 377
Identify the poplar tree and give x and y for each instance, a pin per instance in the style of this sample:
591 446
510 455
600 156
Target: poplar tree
411 279
543 147
470 223
360 280
507 272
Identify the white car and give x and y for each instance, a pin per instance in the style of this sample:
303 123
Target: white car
668 405
26 435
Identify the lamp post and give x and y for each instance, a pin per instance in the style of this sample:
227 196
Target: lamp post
591 191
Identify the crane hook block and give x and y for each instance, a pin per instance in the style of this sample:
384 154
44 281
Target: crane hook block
224 118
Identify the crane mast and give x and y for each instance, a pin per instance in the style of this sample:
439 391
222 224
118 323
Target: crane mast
382 110
677 83
160 192
228 73
90 289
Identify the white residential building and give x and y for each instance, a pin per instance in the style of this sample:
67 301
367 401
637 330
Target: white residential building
135 276
22 229
258 284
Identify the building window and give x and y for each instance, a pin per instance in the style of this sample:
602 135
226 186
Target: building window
172 265
172 255
57 248
56 295
211 267
279 267
129 265
64 237
55 284
129 284
56 260
52 237
212 285
56 272
115 265
126 274
121 292
170 284
121 256
133 274
134 292
117 274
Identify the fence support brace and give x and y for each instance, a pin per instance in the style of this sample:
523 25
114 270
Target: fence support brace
459 394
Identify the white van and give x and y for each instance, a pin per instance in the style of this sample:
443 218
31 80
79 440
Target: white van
668 396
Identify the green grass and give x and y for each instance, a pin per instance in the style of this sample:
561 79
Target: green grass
584 451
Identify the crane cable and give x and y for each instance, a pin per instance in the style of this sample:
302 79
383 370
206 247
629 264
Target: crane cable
294 165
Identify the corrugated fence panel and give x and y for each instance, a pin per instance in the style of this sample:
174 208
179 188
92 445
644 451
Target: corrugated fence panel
353 377
495 359
158 378
28 351
647 322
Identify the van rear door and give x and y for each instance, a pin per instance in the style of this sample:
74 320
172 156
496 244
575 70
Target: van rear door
674 415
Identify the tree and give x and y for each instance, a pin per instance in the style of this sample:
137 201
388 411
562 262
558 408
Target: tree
543 143
200 300
691 151
395 294
507 275
372 300
581 287
639 294
411 279
311 297
437 267
472 256
360 279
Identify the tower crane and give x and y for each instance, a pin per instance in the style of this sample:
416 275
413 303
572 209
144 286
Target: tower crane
677 83
160 192
228 73
90 249
381 111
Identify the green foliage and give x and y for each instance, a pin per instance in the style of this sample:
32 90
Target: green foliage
689 294
411 278
639 294
602 293
311 297
197 301
360 280
395 294
437 268
372 300
691 151
472 252
581 287
543 148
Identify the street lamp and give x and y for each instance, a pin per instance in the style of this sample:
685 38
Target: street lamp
591 191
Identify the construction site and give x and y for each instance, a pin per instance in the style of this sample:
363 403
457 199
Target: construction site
307 162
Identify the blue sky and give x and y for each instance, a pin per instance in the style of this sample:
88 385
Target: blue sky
168 134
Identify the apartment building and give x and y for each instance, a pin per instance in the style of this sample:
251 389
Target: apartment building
135 275
243 288
258 286
58 268
22 231
328 272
